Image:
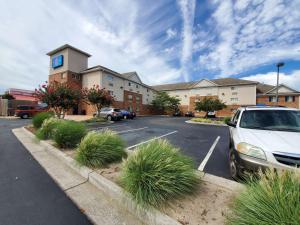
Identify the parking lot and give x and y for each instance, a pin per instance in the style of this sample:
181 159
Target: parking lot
207 145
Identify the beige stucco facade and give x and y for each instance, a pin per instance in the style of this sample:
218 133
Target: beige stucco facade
127 89
230 95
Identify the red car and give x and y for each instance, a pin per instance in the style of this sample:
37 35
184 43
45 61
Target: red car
26 111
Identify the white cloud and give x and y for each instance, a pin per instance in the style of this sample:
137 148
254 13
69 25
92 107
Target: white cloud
250 34
171 33
187 8
292 80
109 30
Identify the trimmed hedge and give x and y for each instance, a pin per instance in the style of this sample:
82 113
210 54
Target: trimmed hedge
157 173
272 200
69 133
39 118
99 149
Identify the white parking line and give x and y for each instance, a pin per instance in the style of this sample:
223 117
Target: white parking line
132 130
133 146
205 160
100 128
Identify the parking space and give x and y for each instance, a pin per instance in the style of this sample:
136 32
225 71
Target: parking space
207 145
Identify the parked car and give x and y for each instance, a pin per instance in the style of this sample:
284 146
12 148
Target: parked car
27 111
110 114
127 114
211 114
264 137
189 114
177 113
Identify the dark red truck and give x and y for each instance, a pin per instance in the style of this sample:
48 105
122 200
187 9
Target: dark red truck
26 111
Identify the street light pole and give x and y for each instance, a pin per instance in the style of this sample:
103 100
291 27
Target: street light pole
280 64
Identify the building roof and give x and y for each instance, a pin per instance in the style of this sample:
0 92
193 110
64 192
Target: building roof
263 88
176 86
232 81
127 76
67 46
189 85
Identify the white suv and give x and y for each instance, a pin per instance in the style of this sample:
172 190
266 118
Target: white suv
263 137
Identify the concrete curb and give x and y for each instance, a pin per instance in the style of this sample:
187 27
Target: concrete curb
221 182
207 124
116 193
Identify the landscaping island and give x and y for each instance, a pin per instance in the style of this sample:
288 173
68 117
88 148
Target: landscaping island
159 182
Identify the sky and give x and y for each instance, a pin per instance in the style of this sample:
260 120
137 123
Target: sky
164 41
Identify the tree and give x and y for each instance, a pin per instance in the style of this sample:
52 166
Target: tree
163 101
8 96
58 96
97 96
209 104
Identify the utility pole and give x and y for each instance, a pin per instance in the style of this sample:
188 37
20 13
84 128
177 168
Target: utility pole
280 64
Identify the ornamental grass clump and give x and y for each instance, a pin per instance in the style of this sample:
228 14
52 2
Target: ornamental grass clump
274 199
97 149
39 118
48 128
69 133
157 173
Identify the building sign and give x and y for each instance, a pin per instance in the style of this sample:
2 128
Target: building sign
57 61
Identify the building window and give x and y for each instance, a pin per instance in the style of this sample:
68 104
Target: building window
234 93
109 77
63 75
232 88
75 76
111 93
289 98
234 99
147 90
111 84
272 99
129 84
129 97
137 86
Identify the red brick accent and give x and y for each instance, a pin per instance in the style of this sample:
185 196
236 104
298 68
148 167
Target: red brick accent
67 77
281 101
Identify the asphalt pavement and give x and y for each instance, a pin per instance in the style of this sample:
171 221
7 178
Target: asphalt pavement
28 195
194 140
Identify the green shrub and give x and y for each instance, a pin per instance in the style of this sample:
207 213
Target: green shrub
39 118
48 128
69 133
272 200
99 149
157 172
227 119
96 120
207 120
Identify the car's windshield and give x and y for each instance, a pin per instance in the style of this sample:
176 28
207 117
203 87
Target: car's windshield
279 120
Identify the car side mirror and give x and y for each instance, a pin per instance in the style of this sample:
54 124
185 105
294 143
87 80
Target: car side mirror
231 124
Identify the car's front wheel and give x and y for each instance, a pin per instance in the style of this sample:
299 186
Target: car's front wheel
125 117
233 166
25 116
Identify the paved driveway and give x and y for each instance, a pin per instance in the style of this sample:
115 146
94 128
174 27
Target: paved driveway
207 145
27 194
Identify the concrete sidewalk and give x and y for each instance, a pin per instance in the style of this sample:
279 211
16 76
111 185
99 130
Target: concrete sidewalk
97 206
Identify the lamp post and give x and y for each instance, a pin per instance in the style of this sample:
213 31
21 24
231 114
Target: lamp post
280 64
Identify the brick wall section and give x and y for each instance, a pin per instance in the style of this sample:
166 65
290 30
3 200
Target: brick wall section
67 77
281 101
